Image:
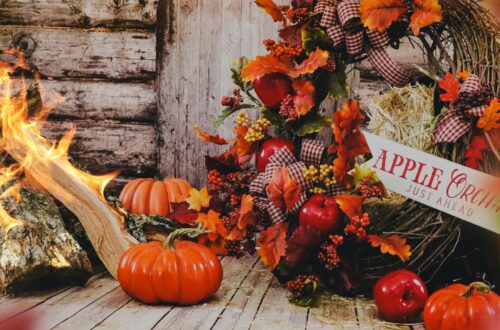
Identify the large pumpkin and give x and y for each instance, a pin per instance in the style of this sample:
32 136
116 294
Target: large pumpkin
458 306
181 272
152 197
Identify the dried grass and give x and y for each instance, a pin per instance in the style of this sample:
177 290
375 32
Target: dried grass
404 115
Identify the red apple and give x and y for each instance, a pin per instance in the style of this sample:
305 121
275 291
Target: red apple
400 296
272 89
322 213
268 148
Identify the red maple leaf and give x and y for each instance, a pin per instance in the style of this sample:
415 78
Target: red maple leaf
182 214
475 152
451 86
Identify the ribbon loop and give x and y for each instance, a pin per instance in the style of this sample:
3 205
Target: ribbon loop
342 22
455 123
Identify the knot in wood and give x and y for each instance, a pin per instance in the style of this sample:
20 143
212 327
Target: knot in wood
24 42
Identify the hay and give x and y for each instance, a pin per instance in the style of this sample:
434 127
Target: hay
404 115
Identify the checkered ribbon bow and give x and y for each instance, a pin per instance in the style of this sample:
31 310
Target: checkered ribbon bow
455 123
341 20
310 154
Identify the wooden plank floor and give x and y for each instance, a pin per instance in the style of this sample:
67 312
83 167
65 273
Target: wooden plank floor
249 298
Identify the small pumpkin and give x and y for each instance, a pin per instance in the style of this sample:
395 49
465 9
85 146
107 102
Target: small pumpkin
463 307
152 197
176 272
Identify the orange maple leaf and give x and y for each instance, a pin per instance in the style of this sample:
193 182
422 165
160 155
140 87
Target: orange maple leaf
218 246
272 245
304 96
462 75
282 190
272 9
491 116
451 86
351 205
316 60
263 65
349 140
216 139
380 14
425 12
211 222
242 148
394 245
245 219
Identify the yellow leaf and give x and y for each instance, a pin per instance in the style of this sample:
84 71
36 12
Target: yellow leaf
198 199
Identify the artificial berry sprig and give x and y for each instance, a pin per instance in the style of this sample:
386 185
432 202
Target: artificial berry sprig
323 178
357 226
242 119
303 286
282 48
256 131
329 256
368 189
234 101
287 109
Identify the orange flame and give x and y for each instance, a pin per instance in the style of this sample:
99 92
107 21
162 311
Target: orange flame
16 125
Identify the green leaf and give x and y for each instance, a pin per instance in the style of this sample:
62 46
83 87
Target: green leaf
312 124
272 116
236 69
337 81
313 38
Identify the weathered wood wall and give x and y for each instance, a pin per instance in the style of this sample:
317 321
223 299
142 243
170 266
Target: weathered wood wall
138 74
101 56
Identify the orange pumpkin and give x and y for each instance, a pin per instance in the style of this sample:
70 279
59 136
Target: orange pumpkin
181 272
151 197
463 307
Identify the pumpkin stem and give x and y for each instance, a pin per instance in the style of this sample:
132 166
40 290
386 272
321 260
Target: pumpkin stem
480 286
189 232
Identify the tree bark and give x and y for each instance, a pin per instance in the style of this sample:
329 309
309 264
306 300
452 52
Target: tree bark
39 252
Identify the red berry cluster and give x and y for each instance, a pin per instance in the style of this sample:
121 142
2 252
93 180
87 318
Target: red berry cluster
298 15
368 189
231 219
357 226
331 65
329 256
282 48
287 109
239 248
233 101
233 183
302 285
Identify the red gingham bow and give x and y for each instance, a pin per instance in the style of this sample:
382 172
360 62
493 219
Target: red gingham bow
341 20
455 123
310 154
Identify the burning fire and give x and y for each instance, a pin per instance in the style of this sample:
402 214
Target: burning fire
21 131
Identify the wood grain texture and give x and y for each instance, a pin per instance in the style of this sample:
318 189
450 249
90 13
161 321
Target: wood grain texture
200 41
64 52
88 13
103 146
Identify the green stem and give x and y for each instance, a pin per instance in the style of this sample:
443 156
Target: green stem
189 232
481 286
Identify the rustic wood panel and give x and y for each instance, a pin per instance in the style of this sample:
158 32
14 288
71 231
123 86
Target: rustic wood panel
63 52
97 100
104 146
200 41
88 13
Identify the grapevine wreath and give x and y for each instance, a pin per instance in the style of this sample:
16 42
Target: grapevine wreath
450 109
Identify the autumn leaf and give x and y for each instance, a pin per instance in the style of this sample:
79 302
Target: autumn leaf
218 246
224 163
462 75
316 60
425 12
380 14
198 199
475 152
272 9
283 190
215 139
245 219
272 245
292 34
263 65
451 86
302 244
211 222
491 117
242 148
351 205
304 96
182 214
394 245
